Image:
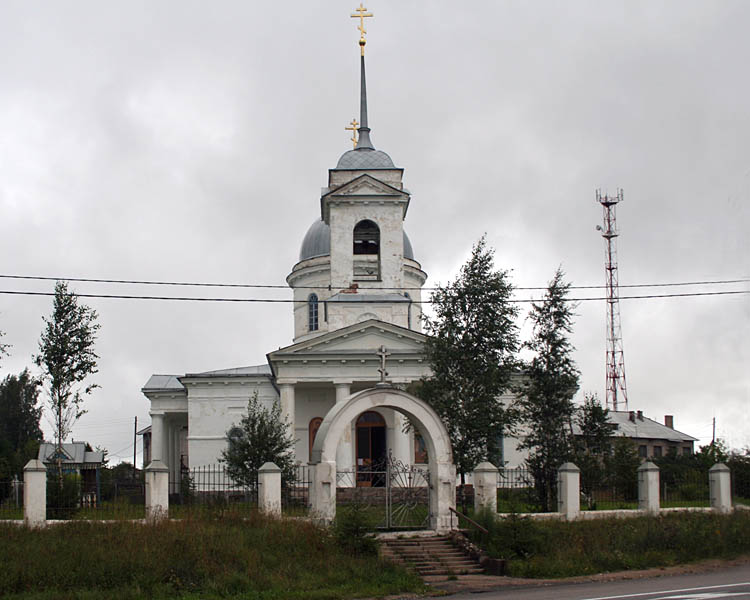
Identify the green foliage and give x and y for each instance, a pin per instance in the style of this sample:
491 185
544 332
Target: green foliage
63 496
250 557
66 357
622 468
262 436
19 423
739 464
3 347
471 349
352 530
593 446
546 395
532 548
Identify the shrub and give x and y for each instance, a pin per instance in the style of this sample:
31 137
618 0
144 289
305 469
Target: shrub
63 498
351 530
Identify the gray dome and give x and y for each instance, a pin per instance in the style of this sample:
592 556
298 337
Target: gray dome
365 158
317 242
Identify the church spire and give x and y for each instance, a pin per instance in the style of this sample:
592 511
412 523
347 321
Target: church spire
364 131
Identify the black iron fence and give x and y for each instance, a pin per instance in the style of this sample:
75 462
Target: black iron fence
211 488
601 490
740 469
11 499
73 497
515 491
686 487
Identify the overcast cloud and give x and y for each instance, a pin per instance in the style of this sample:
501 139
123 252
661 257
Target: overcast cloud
189 141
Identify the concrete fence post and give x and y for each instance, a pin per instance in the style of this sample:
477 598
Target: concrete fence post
720 487
269 489
35 493
485 487
648 488
157 490
569 491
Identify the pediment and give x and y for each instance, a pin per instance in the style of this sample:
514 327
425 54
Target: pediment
361 338
365 185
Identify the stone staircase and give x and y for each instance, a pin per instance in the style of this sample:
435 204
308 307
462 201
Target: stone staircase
430 556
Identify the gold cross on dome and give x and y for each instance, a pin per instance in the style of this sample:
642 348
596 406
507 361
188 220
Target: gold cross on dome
353 128
362 14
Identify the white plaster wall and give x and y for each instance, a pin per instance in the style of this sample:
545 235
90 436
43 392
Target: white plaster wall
213 407
344 216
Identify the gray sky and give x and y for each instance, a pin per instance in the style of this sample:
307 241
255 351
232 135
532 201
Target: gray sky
189 141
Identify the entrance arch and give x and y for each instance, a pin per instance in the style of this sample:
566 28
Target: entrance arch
424 419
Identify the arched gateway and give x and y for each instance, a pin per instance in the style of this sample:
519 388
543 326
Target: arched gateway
421 415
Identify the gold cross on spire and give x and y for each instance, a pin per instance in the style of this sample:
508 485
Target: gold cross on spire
353 128
362 14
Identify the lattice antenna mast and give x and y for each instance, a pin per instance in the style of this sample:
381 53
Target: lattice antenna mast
617 391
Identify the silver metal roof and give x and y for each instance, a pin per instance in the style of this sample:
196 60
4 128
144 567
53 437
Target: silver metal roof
643 428
163 382
365 158
75 451
235 372
317 242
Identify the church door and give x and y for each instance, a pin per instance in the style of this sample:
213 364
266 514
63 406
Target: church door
371 449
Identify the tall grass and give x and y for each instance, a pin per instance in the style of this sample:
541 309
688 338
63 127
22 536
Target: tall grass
562 549
256 557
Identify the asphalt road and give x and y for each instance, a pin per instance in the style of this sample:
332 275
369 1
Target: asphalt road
732 582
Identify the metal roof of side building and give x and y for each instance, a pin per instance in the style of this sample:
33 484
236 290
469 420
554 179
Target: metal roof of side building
74 453
169 383
633 424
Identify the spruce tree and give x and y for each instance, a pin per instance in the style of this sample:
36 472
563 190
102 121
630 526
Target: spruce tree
472 353
551 380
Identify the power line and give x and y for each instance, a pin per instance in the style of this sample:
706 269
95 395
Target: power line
287 301
284 287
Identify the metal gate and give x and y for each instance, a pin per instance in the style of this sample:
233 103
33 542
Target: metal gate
392 495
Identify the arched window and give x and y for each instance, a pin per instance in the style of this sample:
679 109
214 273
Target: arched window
366 251
313 431
312 312
366 238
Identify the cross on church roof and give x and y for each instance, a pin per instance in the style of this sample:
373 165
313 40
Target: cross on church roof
383 354
361 16
353 128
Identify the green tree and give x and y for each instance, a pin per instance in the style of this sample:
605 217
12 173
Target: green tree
546 394
20 434
622 468
262 436
593 444
66 357
3 347
472 353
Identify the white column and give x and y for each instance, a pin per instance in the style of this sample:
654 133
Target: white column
485 487
569 491
345 449
269 489
648 487
442 496
286 401
157 437
400 442
35 493
720 488
323 491
172 454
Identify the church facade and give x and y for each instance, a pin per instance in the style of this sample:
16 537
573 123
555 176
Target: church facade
357 289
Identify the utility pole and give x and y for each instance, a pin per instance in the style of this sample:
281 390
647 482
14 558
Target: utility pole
616 387
135 446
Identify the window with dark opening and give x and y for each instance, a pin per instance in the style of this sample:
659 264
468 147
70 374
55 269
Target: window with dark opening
312 312
366 238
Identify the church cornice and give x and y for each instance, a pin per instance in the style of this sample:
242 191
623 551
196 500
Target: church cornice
364 189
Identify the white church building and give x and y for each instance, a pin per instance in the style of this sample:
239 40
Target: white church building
357 287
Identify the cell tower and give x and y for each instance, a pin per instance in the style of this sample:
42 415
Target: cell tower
617 390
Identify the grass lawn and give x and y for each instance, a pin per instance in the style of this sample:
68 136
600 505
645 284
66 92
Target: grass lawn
533 548
227 557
